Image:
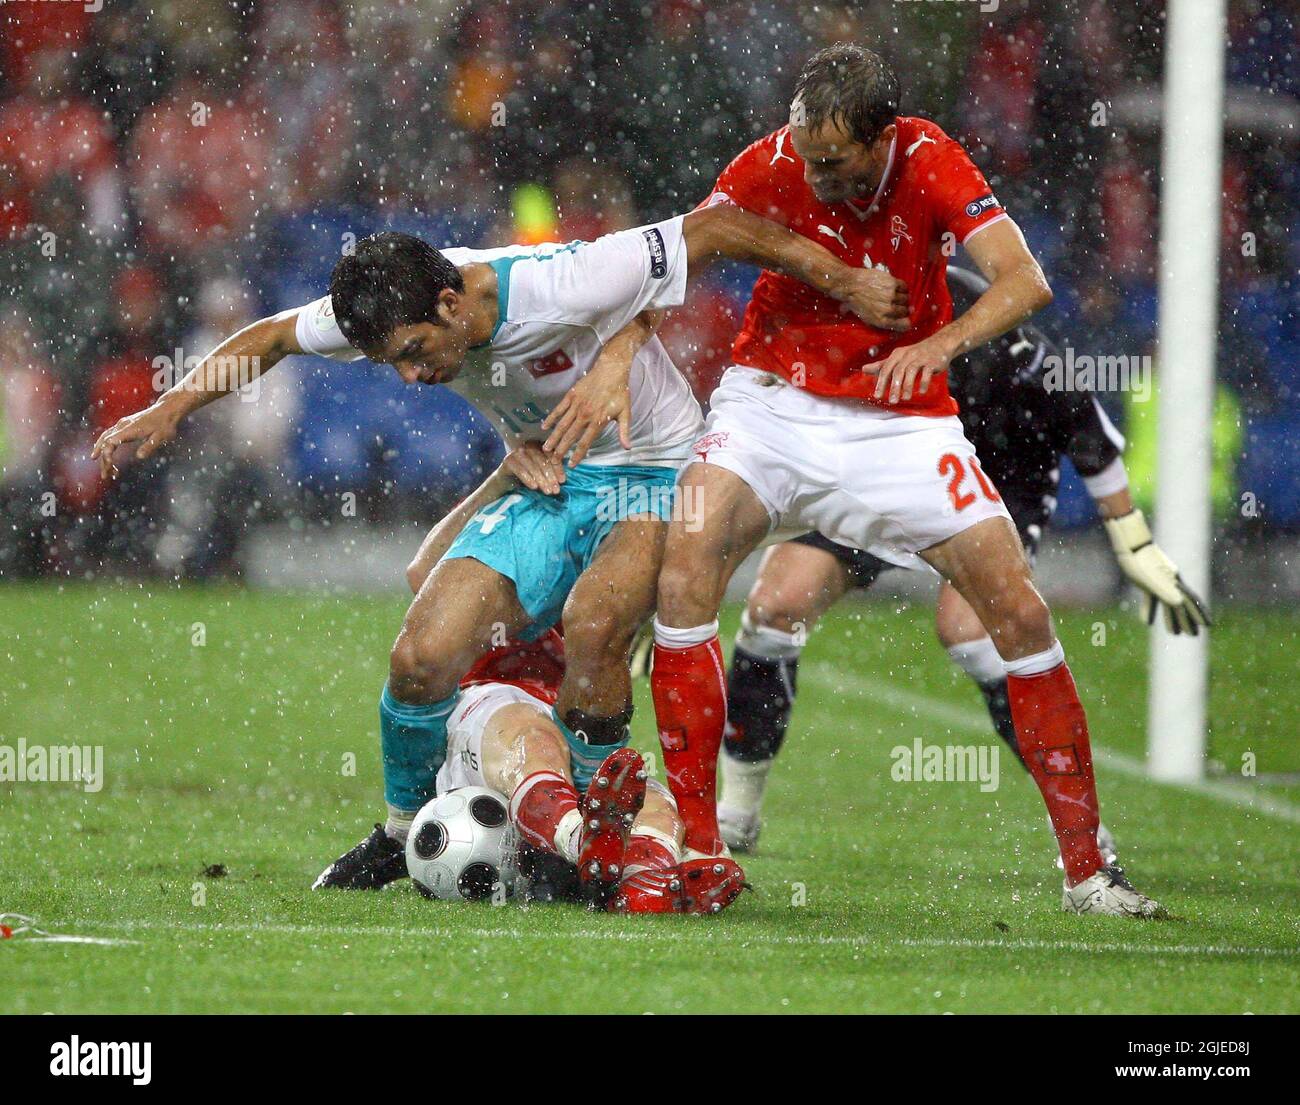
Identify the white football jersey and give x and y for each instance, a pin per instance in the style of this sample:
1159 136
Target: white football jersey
558 305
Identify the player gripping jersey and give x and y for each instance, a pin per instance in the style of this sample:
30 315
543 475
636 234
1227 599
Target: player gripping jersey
930 199
848 429
800 399
1021 428
519 332
557 307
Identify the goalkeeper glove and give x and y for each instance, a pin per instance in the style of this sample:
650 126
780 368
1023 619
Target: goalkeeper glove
1146 565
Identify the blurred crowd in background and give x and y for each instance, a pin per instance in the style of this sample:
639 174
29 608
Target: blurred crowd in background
170 172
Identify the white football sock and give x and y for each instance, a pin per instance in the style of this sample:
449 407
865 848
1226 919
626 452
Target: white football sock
568 835
980 660
666 839
398 825
669 637
764 641
743 783
1038 663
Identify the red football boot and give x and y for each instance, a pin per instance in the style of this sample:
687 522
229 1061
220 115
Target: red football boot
612 801
709 885
702 886
648 892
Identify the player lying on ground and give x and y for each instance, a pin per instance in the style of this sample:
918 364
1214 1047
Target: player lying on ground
1020 429
517 332
623 835
834 425
501 734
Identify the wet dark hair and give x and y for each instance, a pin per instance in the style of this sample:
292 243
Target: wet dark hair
389 280
851 86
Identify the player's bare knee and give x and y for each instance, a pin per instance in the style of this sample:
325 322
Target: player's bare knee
688 596
779 608
416 574
1024 624
599 637
419 673
542 748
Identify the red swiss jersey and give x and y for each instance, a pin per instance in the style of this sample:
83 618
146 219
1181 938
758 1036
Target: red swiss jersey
931 196
537 668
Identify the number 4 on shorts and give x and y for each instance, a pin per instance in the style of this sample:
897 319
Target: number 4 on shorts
487 520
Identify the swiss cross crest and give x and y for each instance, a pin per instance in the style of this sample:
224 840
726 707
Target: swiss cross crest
673 740
547 366
707 442
1063 760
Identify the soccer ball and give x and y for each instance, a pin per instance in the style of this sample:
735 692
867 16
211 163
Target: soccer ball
459 845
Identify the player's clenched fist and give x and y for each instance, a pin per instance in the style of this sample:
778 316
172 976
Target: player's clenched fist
875 296
898 374
152 427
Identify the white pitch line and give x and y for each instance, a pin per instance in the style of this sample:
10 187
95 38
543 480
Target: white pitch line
959 717
1123 949
733 938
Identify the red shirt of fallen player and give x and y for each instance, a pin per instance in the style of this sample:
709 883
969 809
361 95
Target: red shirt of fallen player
930 199
536 667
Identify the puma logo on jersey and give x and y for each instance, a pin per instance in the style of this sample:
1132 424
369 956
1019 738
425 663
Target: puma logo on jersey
1022 344
838 235
918 144
778 155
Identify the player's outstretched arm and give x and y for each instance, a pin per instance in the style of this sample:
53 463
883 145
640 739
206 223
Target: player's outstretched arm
1017 288
237 361
725 230
526 466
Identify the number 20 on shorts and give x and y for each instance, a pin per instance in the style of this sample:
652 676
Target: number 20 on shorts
950 465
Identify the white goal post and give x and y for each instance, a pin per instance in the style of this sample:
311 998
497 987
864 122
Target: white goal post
1191 177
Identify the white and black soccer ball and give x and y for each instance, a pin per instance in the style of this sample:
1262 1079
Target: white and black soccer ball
459 845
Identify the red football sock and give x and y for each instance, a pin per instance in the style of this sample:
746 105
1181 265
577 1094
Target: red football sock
690 695
1053 736
539 804
647 853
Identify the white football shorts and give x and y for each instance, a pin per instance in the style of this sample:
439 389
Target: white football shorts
463 766
890 484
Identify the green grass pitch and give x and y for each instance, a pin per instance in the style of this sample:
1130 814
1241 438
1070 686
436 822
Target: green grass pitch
870 895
